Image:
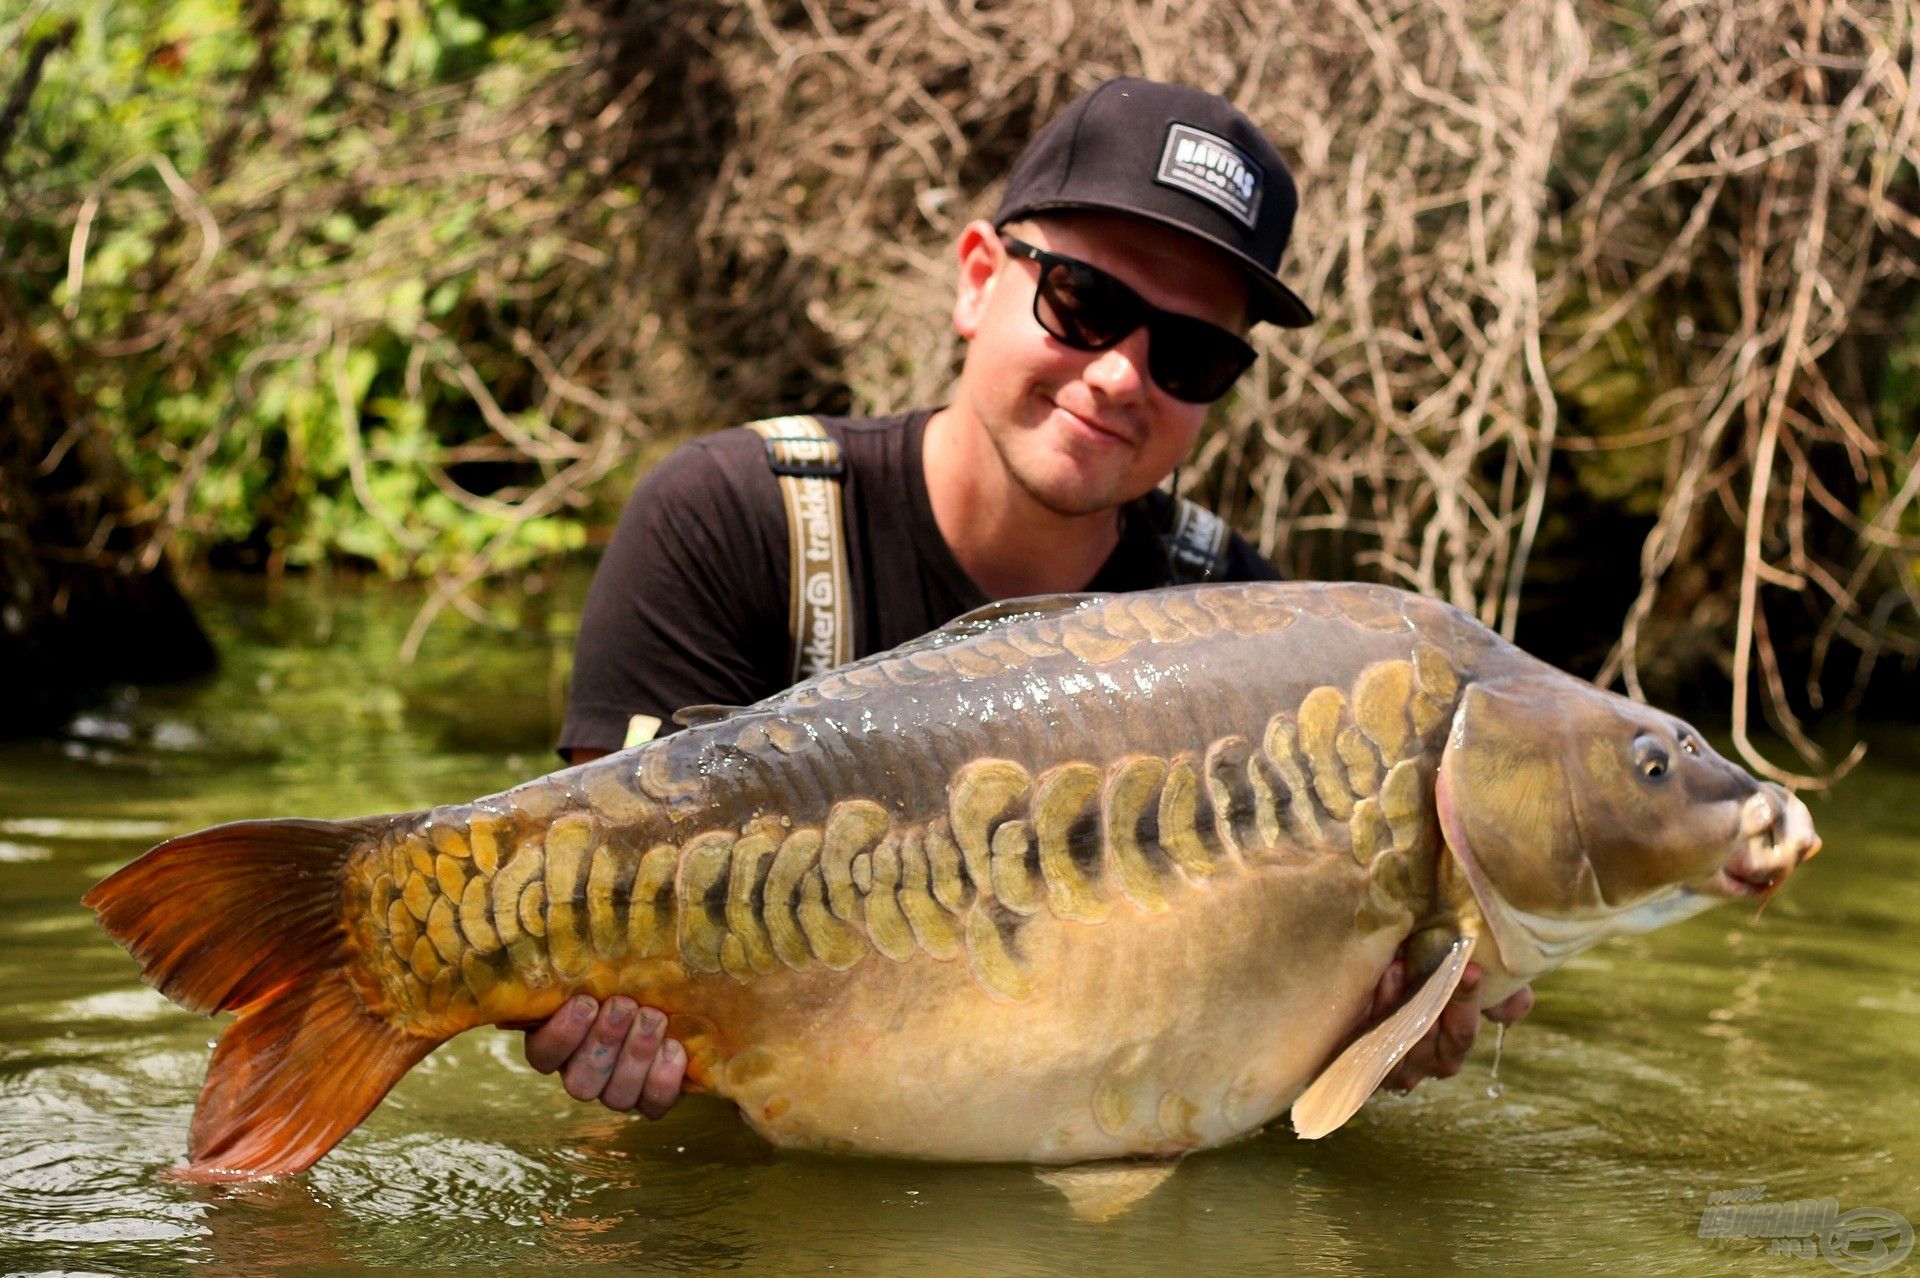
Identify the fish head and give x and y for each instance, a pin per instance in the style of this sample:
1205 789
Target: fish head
1575 814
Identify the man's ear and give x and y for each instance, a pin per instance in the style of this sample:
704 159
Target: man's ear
980 253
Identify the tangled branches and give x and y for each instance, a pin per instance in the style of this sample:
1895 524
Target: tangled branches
1630 262
1565 258
1590 280
1666 249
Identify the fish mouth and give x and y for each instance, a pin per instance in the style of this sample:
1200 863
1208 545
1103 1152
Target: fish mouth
1736 886
1777 835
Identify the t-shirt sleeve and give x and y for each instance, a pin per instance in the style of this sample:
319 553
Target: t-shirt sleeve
688 605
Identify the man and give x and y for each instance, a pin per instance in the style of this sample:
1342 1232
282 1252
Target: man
1104 308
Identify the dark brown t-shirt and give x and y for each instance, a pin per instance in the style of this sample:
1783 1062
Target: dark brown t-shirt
689 605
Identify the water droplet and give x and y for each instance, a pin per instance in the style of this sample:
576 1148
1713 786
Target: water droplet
1494 1085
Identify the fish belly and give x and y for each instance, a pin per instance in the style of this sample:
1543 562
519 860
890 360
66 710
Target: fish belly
1145 1034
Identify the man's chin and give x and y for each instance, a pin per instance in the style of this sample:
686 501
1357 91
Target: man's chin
1069 476
1074 495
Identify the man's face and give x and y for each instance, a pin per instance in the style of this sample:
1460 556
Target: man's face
1084 431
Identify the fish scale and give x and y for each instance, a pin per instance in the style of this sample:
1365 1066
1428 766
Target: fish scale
1068 879
726 919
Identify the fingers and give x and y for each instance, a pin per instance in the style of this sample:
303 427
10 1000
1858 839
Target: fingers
636 1055
1443 1049
615 1052
1459 1022
1512 1008
590 1065
644 1053
588 1070
549 1046
662 1089
1388 993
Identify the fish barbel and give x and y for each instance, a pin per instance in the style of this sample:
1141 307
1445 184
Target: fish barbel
1069 879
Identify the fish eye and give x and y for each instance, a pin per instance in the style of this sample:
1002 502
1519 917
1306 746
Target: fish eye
1650 758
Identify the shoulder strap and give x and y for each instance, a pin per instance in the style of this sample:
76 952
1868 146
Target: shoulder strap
1196 542
810 466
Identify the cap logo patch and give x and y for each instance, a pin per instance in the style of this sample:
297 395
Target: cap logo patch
1209 166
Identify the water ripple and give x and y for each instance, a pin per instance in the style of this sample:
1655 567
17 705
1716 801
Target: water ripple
1655 1070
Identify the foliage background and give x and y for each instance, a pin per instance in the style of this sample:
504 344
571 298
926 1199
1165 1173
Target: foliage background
1618 303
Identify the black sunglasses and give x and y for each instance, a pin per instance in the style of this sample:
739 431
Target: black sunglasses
1089 310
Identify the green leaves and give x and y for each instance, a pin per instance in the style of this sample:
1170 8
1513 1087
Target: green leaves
297 336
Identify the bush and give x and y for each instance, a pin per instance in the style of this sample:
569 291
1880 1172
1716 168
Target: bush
1617 303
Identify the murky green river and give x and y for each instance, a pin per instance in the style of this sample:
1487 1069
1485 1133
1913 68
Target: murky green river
1781 1059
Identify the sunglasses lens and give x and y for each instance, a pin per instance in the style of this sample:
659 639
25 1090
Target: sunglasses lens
1085 308
1089 310
1194 361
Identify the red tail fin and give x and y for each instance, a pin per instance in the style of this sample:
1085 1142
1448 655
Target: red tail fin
248 917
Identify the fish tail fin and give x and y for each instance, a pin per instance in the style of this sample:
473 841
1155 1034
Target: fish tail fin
249 918
291 1077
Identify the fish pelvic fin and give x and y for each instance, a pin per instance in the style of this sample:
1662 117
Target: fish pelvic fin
1343 1087
1098 1192
249 918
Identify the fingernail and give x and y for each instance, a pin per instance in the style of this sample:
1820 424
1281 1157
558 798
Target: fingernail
580 1006
652 1020
619 1012
674 1051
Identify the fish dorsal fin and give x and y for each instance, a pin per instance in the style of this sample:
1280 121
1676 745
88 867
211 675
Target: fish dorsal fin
698 716
1100 1191
987 616
1343 1087
1003 612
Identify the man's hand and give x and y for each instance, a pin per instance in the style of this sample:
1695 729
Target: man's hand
616 1052
1444 1049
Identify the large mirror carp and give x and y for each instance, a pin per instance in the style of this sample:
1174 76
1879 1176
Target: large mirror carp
1069 879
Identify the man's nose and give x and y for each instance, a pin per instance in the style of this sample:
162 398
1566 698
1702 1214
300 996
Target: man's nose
1120 371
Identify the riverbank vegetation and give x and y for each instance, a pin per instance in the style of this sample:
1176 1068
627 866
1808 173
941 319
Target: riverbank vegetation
1619 336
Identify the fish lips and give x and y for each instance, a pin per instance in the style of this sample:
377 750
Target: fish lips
1778 836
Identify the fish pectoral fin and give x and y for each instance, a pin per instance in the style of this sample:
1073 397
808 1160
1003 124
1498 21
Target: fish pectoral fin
1343 1087
1098 1192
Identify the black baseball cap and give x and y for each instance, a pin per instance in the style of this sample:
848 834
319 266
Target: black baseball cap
1179 156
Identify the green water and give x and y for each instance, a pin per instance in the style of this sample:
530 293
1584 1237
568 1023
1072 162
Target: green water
1716 1055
